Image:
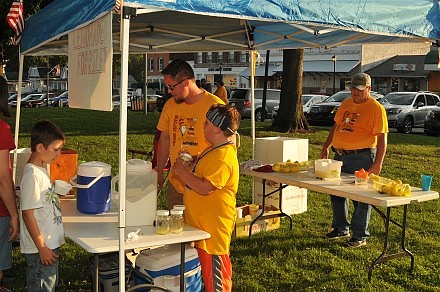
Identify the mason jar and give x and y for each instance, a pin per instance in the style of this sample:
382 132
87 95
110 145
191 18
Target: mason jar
176 221
162 221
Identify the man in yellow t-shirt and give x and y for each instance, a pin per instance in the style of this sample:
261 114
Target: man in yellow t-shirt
212 182
221 91
359 139
181 123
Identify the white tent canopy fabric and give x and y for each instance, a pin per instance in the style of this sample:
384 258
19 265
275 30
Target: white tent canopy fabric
228 25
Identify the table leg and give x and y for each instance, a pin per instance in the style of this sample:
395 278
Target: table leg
96 276
263 203
383 257
182 267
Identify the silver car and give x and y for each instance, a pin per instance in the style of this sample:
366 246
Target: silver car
408 110
307 100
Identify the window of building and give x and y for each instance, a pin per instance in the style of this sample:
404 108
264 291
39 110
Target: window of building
199 57
231 57
160 64
243 58
151 65
209 57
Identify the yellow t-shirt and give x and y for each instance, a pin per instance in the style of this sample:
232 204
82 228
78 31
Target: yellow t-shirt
215 213
358 124
222 93
185 122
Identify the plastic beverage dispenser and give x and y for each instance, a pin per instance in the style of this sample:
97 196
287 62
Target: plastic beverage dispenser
140 193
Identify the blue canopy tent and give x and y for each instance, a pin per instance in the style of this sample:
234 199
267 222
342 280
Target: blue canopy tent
149 26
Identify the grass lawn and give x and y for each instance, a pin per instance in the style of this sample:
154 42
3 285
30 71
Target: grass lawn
281 260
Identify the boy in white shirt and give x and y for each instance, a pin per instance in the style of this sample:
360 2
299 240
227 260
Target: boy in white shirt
41 228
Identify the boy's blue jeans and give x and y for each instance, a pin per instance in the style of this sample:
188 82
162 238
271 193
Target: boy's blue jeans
40 277
361 215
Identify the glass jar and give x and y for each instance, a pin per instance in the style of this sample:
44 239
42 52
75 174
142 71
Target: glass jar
176 221
180 207
162 221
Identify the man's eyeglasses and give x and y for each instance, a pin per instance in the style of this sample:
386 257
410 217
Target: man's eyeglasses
171 87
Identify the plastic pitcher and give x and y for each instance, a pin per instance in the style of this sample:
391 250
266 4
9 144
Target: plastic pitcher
140 193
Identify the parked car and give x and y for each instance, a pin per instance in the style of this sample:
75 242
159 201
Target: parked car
307 100
432 121
241 99
116 99
408 110
31 100
61 100
324 112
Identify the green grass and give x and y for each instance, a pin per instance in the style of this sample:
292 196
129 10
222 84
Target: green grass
281 260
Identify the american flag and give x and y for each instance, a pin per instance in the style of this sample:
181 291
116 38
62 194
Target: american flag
118 5
15 20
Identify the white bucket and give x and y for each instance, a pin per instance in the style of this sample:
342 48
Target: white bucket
328 168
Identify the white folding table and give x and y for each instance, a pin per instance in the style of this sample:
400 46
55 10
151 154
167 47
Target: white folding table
99 233
345 187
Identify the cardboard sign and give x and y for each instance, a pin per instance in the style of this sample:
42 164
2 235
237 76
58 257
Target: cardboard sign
90 65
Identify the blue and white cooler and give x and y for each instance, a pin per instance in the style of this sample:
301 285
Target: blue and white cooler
93 187
161 267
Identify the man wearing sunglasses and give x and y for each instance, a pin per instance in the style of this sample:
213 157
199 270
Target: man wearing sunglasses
181 124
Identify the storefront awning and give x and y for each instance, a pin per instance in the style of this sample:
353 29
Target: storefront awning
259 72
325 66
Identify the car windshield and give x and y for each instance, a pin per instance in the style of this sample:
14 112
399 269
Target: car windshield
306 98
400 98
238 93
339 96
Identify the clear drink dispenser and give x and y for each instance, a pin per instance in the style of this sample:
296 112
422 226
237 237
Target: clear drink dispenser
140 193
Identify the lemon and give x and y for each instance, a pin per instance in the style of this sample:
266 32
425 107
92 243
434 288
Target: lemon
294 168
398 181
285 168
276 167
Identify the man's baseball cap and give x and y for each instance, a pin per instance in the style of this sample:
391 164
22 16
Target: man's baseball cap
360 81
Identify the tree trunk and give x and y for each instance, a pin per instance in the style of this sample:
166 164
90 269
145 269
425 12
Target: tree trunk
290 116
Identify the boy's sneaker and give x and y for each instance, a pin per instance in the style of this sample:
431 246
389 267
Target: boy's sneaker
334 234
4 289
356 243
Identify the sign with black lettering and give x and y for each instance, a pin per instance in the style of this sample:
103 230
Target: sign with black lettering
90 65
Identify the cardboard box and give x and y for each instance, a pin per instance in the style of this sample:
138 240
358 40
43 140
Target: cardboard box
279 149
242 225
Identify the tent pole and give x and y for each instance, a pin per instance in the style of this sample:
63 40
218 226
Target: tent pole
125 29
252 83
17 115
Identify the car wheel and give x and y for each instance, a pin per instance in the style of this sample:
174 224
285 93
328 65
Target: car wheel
407 126
258 115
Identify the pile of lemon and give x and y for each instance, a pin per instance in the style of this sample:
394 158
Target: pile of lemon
389 186
290 166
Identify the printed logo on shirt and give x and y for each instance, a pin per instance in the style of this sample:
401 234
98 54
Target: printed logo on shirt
186 129
349 122
52 198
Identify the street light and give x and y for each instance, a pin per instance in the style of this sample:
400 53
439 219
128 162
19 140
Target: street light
334 72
